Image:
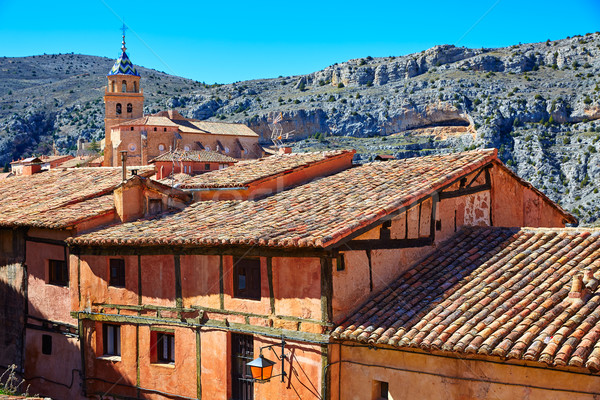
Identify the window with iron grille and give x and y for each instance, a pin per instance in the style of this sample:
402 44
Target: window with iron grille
117 272
111 335
246 278
58 273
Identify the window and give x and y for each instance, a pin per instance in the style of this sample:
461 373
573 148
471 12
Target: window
129 107
246 278
381 390
154 129
165 347
118 108
46 344
112 86
207 148
226 149
154 206
161 147
111 337
164 129
207 167
124 87
186 148
132 126
117 272
58 273
135 87
132 147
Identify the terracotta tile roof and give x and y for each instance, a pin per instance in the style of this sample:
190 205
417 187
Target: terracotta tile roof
188 125
78 162
495 292
59 198
316 214
245 172
194 156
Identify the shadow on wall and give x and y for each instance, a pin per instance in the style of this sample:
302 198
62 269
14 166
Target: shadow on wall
12 315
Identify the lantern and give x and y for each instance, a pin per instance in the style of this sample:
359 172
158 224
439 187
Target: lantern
261 368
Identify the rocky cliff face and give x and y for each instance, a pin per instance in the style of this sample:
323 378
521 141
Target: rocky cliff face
537 103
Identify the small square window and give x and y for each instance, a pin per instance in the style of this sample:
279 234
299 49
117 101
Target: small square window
206 167
164 129
46 344
154 206
117 272
246 278
111 335
165 348
58 273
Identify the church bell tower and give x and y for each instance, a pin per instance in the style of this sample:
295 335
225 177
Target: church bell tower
123 101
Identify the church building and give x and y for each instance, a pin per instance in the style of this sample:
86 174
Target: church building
147 137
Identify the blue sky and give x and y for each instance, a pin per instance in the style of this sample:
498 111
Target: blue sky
227 41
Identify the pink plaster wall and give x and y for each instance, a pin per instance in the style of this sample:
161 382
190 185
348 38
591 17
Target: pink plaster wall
46 300
200 280
158 280
62 365
296 287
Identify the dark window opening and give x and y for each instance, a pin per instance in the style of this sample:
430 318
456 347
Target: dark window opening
118 108
117 272
164 129
111 335
340 262
381 390
463 182
154 129
246 278
154 206
58 273
132 128
165 347
46 344
129 107
124 87
207 167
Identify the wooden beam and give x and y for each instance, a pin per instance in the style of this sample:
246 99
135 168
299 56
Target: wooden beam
375 244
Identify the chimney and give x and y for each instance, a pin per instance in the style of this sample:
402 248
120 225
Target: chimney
31 169
577 287
124 163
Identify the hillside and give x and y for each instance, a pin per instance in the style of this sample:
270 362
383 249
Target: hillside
536 102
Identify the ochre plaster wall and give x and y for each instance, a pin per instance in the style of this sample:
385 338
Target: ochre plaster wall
420 375
297 287
261 306
215 356
178 378
94 279
112 374
158 280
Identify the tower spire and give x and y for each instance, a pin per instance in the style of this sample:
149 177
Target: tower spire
123 28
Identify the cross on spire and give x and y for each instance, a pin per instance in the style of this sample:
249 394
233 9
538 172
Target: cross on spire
123 28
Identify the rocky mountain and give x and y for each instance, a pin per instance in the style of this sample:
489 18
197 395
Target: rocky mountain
537 103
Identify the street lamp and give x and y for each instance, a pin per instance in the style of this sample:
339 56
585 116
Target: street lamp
262 368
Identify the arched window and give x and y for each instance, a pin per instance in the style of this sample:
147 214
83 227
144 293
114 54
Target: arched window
124 87
118 110
112 86
129 107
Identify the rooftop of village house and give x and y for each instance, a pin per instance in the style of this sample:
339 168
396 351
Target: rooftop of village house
526 294
60 198
193 156
315 214
188 125
246 172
